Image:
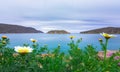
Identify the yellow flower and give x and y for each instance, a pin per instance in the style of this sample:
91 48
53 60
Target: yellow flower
33 40
4 37
107 36
71 37
23 50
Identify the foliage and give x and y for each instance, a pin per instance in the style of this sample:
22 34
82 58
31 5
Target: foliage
43 60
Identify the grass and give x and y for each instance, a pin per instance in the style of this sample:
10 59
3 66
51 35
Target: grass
43 60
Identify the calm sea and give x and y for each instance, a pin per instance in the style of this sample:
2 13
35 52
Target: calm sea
52 40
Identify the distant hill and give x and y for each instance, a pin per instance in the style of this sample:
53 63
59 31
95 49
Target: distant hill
58 32
7 28
110 30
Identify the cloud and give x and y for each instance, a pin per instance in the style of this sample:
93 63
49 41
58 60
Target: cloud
71 15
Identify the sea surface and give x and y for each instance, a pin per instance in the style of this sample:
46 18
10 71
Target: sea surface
52 40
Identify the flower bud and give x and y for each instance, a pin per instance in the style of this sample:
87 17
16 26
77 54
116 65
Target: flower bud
100 40
4 37
1 54
3 42
78 48
89 45
15 54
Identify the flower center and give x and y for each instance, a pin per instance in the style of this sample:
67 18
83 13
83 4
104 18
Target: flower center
23 50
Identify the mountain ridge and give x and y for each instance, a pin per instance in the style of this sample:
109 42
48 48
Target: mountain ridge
110 30
9 28
58 32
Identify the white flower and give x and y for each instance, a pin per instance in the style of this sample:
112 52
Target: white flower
107 36
33 40
71 37
23 50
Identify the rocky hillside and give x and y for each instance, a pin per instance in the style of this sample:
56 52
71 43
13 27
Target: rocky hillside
110 30
7 28
58 32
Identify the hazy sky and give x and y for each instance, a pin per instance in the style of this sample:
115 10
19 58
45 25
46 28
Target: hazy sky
71 15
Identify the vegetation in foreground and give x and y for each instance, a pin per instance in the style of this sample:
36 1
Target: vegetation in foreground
33 58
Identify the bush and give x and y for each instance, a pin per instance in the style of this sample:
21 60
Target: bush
43 60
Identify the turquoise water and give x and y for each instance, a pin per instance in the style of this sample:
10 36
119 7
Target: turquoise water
52 40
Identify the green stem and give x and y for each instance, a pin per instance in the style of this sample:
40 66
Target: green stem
105 50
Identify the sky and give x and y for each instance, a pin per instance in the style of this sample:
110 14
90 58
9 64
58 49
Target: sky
71 15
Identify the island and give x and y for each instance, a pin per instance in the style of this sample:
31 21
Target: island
110 30
58 32
8 28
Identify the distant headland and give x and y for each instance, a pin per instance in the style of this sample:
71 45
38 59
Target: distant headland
8 28
110 30
58 32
